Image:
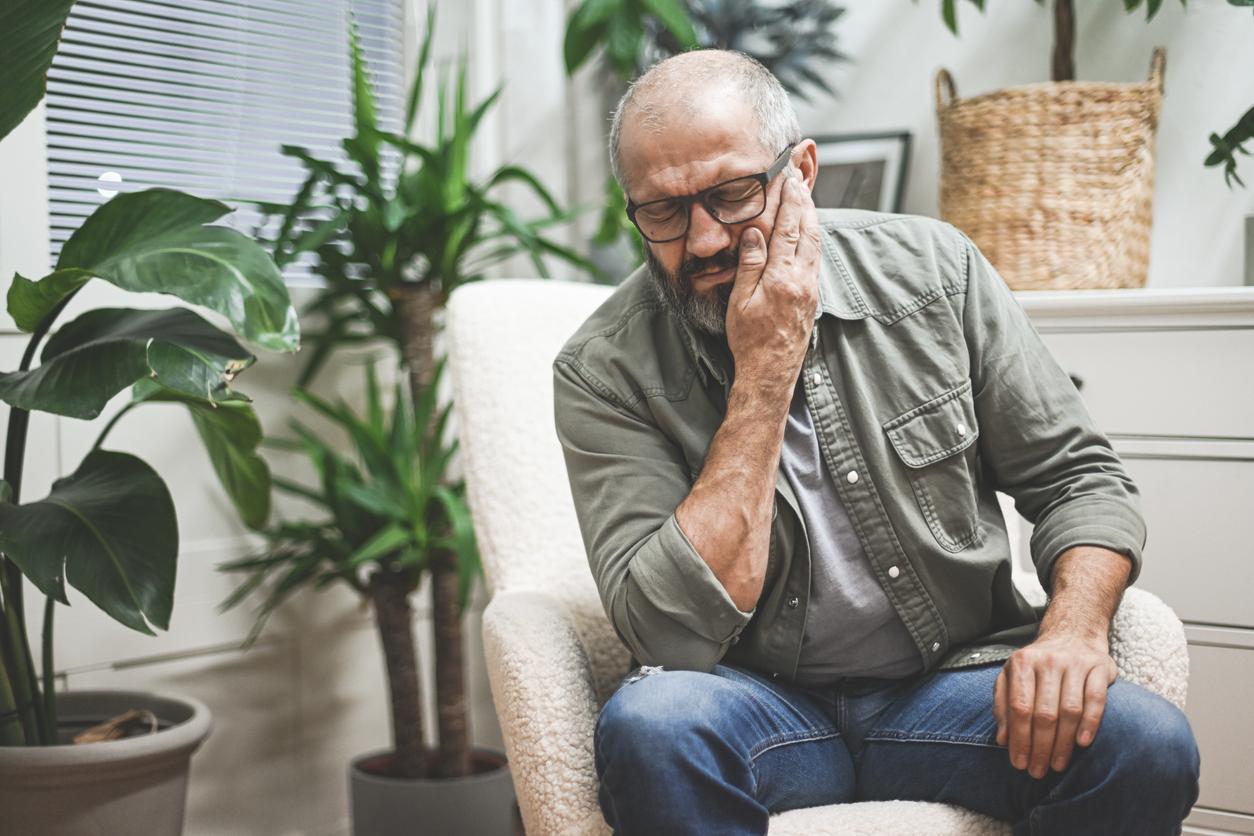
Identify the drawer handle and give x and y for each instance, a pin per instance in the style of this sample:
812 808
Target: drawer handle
1077 380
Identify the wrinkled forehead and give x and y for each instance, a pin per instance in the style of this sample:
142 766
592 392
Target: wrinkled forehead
683 145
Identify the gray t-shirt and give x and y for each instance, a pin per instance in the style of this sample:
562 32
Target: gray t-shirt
851 627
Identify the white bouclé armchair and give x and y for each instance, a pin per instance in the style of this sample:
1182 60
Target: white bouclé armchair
552 656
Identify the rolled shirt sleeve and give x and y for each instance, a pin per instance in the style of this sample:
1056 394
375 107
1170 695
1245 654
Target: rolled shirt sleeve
1037 437
626 480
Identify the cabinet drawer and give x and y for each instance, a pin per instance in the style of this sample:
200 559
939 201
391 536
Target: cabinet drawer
1163 382
1221 680
1199 528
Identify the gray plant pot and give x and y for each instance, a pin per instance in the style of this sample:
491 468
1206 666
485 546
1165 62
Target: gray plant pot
136 785
481 804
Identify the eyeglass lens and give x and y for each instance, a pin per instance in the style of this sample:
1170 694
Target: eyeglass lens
732 202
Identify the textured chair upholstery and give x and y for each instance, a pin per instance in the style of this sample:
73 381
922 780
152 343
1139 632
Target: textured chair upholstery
553 659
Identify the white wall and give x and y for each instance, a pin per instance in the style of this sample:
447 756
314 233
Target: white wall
898 45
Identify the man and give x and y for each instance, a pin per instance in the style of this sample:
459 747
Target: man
784 435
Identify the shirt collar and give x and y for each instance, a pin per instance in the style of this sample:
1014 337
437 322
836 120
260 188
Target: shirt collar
837 297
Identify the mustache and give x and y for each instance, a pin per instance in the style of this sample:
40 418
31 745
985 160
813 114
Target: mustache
721 260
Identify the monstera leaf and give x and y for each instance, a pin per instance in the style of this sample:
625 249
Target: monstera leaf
29 32
110 530
159 241
230 432
105 350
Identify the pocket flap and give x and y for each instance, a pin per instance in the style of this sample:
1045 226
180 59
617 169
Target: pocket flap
937 428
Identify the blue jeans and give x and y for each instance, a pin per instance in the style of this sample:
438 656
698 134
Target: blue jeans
718 753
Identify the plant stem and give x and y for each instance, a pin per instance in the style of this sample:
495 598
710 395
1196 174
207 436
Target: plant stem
15 655
415 304
21 665
116 417
450 668
1064 41
389 592
11 731
50 691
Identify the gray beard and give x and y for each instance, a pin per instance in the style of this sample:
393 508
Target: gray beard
675 291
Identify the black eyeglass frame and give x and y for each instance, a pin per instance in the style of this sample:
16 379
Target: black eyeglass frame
763 178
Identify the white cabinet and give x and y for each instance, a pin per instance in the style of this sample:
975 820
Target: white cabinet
1168 375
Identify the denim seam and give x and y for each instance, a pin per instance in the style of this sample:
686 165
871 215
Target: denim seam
930 737
776 741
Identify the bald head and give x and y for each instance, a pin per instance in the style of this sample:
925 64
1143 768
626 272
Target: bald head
695 89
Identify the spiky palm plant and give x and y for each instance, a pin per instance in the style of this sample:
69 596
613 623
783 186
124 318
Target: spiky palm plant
394 230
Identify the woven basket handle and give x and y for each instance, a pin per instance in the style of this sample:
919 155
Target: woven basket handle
946 91
1158 66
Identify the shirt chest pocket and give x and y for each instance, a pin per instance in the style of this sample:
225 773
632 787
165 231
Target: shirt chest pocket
934 441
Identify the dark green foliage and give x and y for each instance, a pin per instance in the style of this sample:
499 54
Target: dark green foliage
383 506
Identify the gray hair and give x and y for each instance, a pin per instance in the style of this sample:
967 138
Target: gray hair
704 68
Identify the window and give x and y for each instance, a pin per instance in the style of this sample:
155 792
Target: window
198 95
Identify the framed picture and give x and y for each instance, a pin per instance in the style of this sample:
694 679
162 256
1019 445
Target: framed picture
862 171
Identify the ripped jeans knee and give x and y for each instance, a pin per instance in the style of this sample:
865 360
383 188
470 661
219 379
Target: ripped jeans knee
641 672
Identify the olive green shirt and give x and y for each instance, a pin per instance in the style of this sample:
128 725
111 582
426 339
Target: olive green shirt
930 390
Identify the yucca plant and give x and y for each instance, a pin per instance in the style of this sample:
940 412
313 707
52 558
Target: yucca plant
109 528
393 231
386 516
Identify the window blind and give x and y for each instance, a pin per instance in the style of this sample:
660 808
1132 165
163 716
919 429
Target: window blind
198 95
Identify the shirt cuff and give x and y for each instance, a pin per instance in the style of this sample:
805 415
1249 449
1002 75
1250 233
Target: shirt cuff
676 580
1111 525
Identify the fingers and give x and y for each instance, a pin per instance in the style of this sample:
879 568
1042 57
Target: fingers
1044 719
999 706
1070 709
1022 700
752 262
787 232
1095 685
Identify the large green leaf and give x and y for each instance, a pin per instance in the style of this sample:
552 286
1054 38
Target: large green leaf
230 432
674 16
159 241
110 530
29 32
105 350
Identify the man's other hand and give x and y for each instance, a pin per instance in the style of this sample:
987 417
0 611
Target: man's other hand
1049 696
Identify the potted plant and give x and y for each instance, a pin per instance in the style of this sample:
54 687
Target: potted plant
394 232
1055 180
116 762
388 514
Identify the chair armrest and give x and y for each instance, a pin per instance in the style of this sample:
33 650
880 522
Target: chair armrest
1148 644
546 700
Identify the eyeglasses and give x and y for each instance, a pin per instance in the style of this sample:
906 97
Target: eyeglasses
730 202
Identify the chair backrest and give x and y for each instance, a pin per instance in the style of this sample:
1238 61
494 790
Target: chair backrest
501 336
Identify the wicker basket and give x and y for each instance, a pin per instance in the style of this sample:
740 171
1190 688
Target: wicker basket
1054 182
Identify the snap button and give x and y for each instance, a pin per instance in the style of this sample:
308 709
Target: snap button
775 675
817 377
793 601
936 645
893 571
961 429
852 476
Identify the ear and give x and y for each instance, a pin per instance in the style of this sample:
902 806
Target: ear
806 157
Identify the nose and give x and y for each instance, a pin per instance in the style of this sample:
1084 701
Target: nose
706 236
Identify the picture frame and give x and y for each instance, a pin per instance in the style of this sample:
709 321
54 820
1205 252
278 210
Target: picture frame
862 170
